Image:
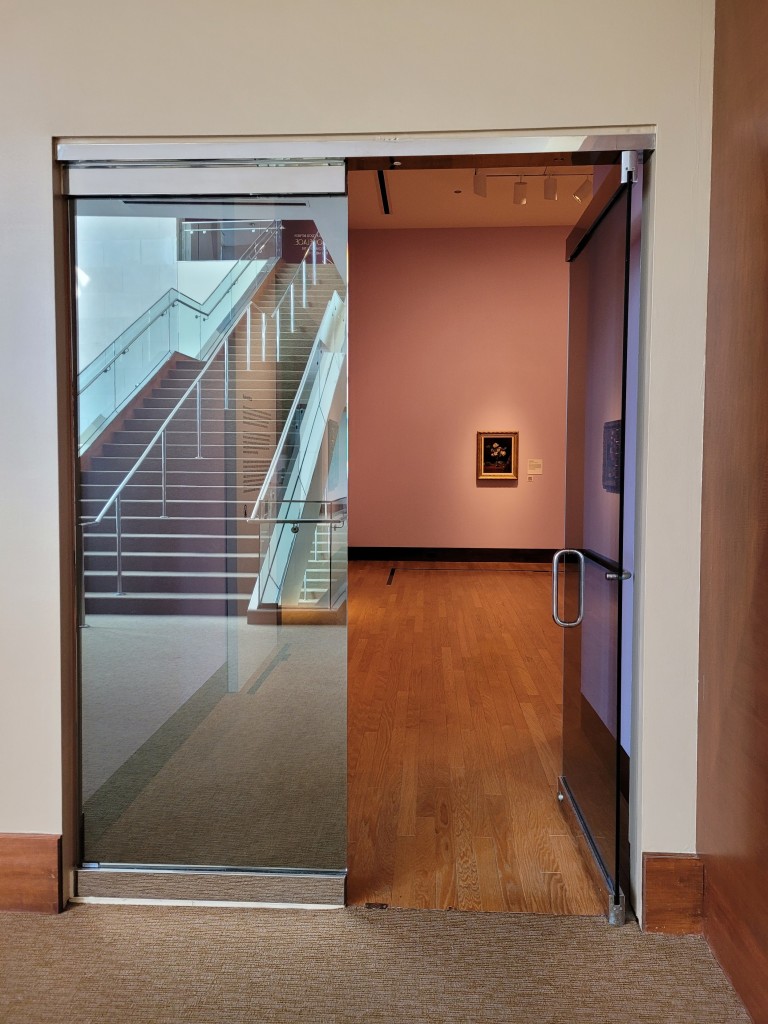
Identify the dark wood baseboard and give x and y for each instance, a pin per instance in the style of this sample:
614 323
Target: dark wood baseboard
673 893
396 554
30 873
736 936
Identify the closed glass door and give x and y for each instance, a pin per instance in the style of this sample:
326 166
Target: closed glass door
212 428
591 580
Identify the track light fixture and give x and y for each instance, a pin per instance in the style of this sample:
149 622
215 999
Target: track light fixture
550 187
480 185
520 192
582 193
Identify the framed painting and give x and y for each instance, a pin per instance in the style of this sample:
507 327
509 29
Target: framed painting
497 454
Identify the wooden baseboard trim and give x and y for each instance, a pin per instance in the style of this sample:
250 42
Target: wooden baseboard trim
30 873
735 934
397 554
673 893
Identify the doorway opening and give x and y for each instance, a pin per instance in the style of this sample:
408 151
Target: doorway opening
459 324
457 454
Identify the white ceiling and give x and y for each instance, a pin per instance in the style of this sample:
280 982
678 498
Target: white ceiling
446 198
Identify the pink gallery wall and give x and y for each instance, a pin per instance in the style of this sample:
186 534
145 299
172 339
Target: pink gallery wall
452 331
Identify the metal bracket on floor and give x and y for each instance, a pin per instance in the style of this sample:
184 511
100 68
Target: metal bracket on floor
617 914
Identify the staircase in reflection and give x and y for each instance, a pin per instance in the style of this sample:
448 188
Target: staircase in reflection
183 536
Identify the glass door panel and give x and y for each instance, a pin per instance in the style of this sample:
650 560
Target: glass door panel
211 382
593 583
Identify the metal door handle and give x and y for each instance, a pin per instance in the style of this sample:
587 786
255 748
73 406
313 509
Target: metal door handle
621 576
556 587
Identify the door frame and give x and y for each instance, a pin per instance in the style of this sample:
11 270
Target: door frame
93 155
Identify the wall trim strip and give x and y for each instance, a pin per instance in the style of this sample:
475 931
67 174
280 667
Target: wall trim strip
398 554
673 893
30 872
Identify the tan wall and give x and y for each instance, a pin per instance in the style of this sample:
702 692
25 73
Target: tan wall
177 68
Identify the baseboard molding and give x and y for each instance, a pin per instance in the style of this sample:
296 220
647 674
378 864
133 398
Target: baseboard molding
264 887
397 554
30 873
736 936
673 893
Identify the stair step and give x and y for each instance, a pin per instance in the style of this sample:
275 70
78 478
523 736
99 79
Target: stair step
170 604
185 584
91 507
173 561
177 525
181 451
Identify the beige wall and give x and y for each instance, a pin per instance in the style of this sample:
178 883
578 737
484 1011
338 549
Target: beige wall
192 67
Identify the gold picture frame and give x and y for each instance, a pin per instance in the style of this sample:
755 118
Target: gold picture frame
497 454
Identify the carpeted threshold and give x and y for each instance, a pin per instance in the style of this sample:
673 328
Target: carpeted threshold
157 965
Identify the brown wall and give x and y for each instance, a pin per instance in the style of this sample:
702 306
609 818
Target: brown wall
733 723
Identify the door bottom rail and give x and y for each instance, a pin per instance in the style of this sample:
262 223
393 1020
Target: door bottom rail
182 885
616 904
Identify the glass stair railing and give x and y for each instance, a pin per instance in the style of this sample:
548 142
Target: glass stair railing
174 323
301 517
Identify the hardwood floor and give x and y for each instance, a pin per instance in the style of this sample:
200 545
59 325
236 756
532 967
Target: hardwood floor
454 742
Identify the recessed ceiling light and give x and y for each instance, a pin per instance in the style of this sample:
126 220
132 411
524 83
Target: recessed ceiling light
457 191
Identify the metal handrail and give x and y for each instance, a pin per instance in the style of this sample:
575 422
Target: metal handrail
166 423
180 300
336 521
173 300
287 427
312 247
160 435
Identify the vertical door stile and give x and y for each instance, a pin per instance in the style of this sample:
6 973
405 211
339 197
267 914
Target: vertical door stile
595 580
213 669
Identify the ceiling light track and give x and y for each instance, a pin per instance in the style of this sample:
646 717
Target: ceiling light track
383 192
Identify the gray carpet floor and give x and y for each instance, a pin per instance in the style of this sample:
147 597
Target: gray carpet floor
114 965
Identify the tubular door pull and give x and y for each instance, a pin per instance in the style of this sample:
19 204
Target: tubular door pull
559 556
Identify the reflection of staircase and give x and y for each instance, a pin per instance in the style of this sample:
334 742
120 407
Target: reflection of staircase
325 574
315 583
203 557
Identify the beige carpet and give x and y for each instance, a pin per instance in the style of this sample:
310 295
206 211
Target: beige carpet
113 965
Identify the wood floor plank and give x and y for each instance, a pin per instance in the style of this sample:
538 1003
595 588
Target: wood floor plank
455 714
491 895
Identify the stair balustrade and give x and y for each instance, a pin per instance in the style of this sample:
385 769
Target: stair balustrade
295 493
194 449
175 322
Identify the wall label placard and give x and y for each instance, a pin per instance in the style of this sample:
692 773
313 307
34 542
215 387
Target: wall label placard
535 467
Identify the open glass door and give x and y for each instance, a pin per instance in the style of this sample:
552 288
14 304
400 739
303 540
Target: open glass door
592 576
211 428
